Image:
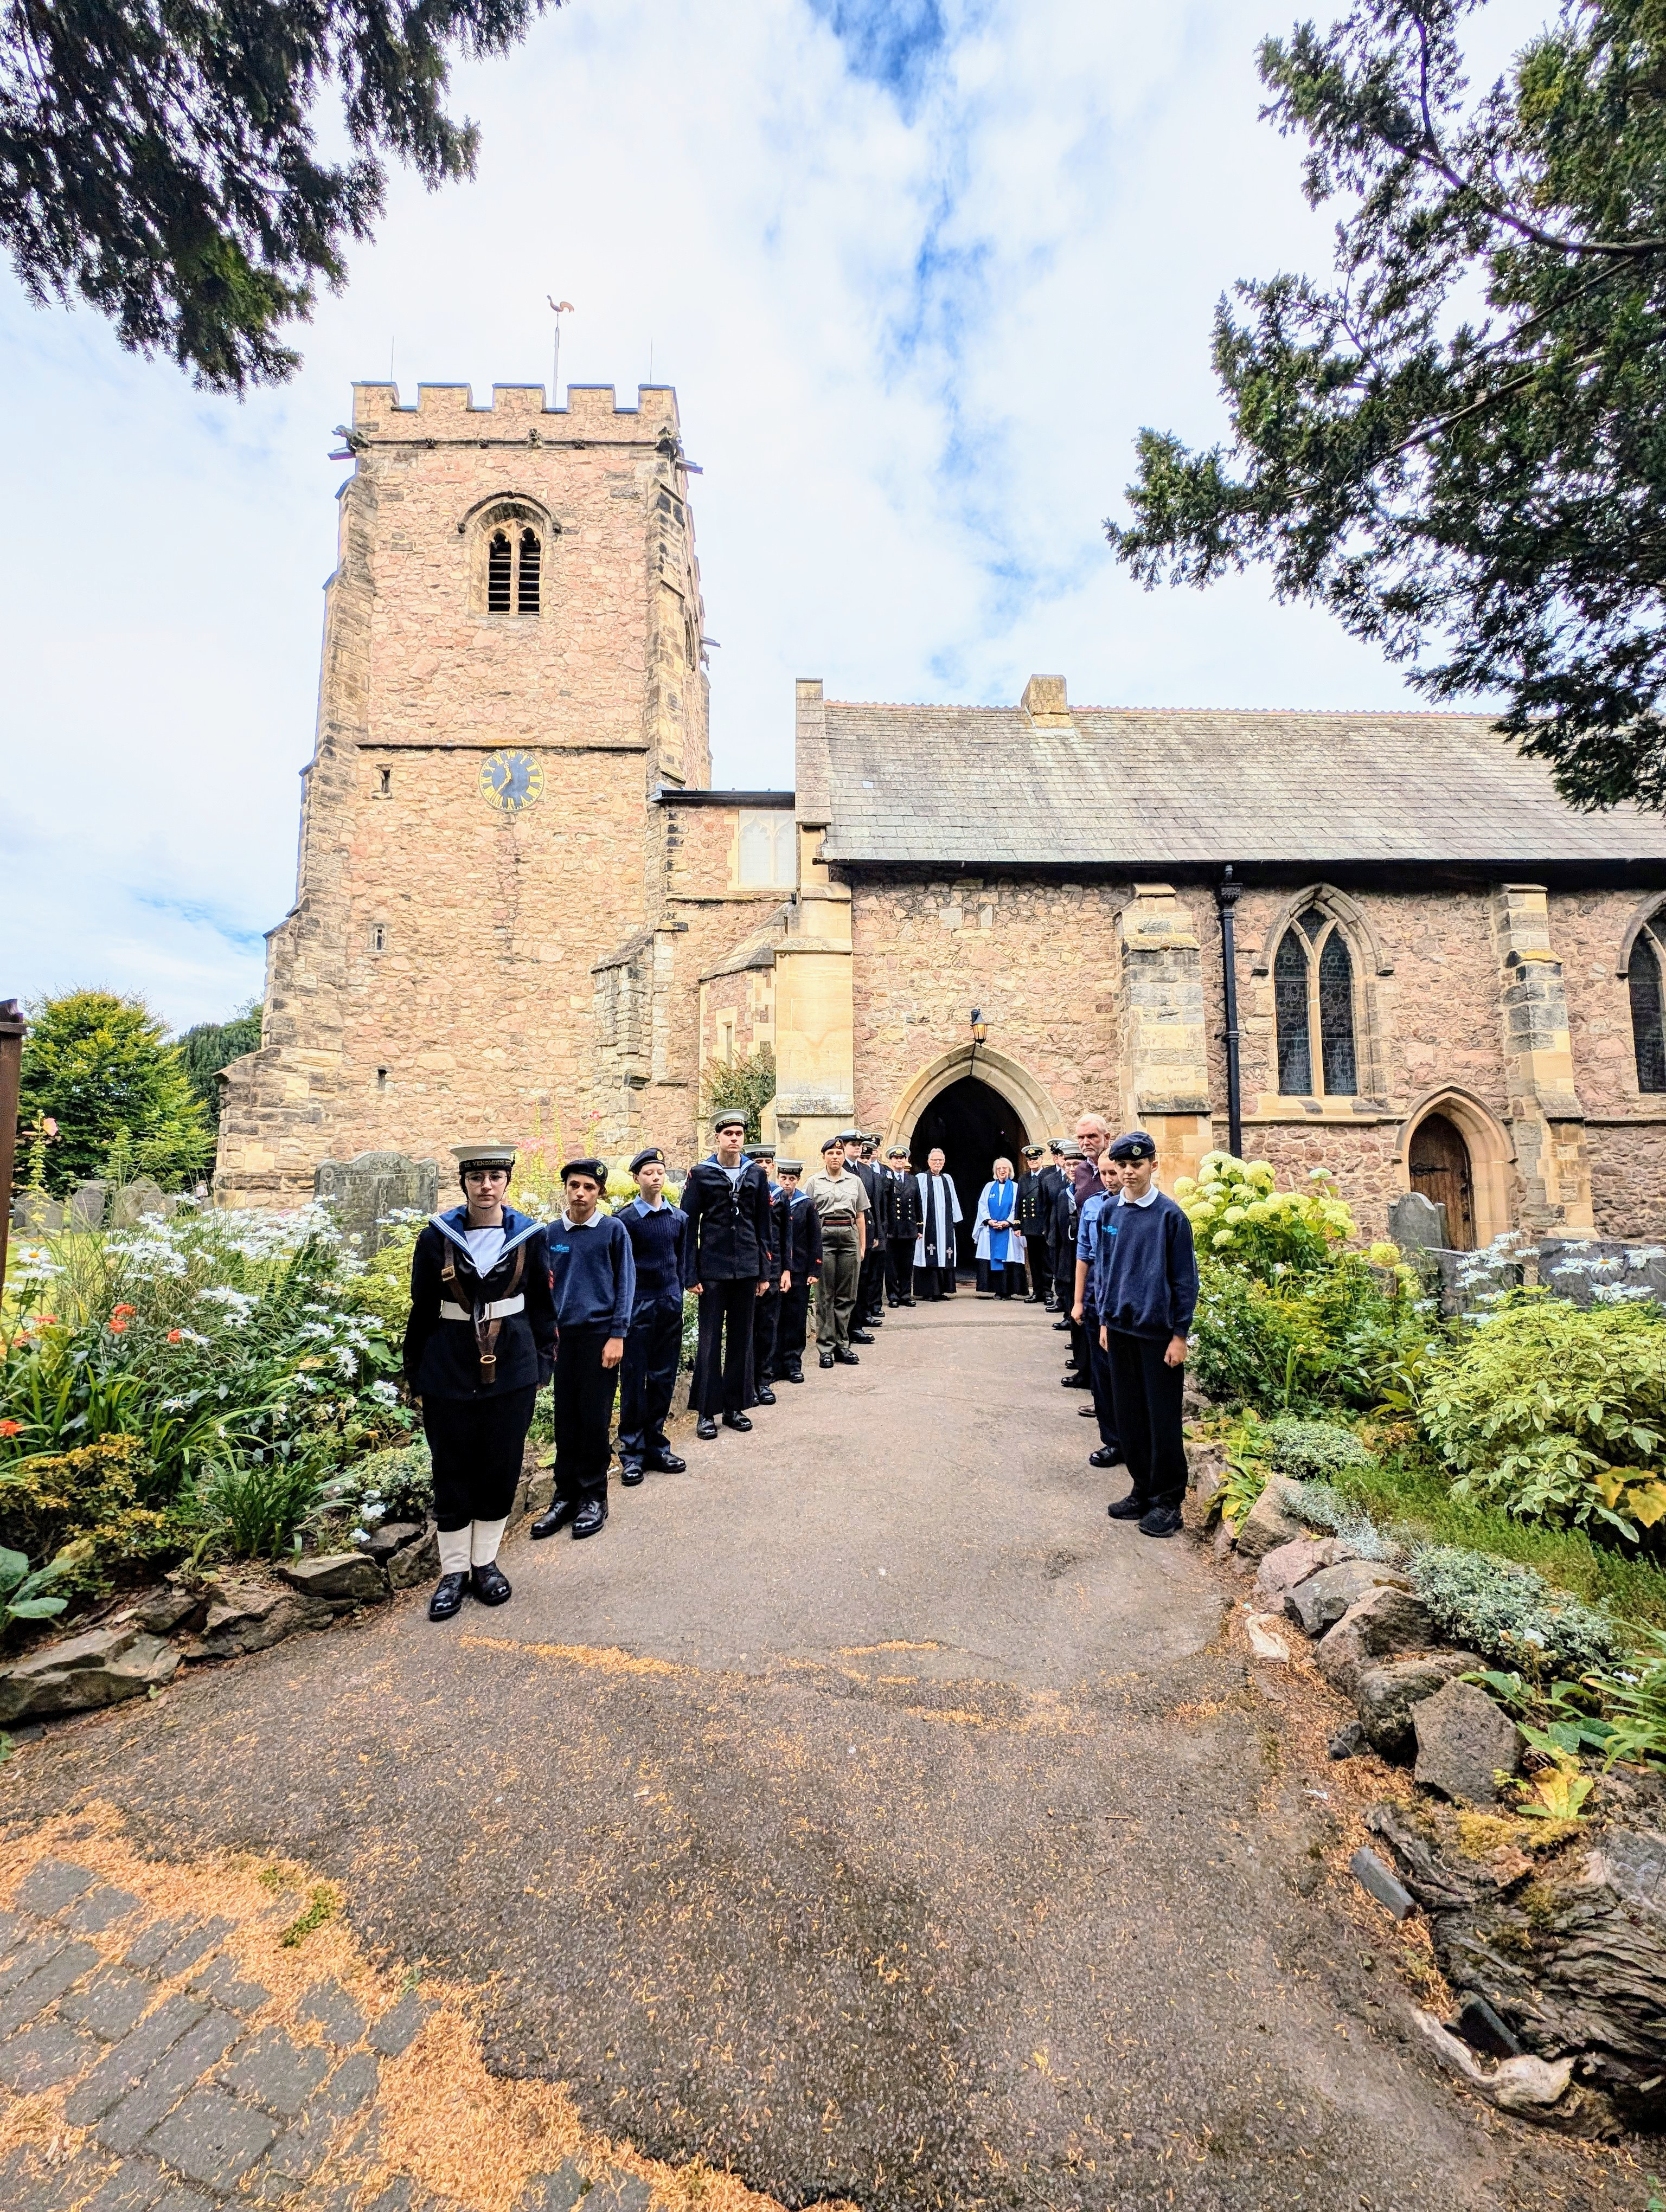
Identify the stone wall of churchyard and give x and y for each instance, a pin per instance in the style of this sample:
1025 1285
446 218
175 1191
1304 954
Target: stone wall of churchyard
1040 959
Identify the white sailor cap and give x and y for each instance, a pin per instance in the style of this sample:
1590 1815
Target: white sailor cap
484 1154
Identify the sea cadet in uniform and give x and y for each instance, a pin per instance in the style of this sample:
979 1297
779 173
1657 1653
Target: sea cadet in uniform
801 1264
841 1199
726 1199
1144 1291
905 1218
593 1276
480 1342
766 1311
1032 1211
859 1162
659 1234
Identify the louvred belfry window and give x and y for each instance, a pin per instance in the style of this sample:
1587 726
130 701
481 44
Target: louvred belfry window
499 564
514 568
1313 1010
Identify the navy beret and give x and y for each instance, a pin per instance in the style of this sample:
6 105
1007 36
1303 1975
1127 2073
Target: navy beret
596 1170
648 1156
1136 1145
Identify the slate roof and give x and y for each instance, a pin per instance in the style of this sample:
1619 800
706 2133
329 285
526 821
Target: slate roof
1144 787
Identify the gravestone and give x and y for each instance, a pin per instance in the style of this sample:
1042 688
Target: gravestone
364 1191
135 1199
34 1214
1417 1224
87 1205
1471 1283
1576 1267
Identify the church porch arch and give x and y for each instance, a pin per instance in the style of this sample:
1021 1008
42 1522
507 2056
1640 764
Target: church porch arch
1029 1099
1492 1155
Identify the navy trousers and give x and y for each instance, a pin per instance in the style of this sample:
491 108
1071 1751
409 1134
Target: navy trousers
647 1377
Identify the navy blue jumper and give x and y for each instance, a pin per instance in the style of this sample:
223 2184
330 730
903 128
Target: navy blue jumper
1144 1291
663 1247
595 1282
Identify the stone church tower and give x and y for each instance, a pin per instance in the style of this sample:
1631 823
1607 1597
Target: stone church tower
513 675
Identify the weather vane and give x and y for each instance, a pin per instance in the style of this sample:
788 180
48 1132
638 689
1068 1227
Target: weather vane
558 308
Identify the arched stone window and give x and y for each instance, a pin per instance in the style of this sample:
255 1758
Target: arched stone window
1648 1008
511 542
1313 1001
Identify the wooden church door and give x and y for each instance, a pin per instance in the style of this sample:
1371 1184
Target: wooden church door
1440 1169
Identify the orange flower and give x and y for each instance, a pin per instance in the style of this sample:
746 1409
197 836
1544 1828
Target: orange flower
45 1320
11 1428
127 1310
174 1334
118 1323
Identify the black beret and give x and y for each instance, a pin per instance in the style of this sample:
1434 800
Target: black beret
1136 1145
828 1143
596 1170
646 1157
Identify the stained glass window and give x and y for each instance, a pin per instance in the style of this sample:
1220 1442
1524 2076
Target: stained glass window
1290 996
1648 1035
1336 1017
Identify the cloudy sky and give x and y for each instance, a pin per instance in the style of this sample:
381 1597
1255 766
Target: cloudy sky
919 269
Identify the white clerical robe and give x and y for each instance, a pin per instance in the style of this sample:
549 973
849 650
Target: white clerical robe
938 1194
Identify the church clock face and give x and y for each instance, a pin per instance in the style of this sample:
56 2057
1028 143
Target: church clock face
510 781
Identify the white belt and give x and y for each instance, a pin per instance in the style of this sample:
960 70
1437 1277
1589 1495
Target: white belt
497 1310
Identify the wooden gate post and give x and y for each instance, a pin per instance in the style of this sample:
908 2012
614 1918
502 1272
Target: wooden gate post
13 1029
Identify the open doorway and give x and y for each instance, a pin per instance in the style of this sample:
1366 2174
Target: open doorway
1439 1165
974 1125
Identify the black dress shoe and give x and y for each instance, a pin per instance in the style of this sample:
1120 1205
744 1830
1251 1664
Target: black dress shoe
1104 1457
1162 1521
1031 1299
629 1473
666 1462
844 1358
448 1595
908 1302
706 1427
1074 1382
1058 1324
860 1336
1131 1508
1087 1412
737 1420
795 1373
590 1516
766 1396
491 1585
556 1518
825 1359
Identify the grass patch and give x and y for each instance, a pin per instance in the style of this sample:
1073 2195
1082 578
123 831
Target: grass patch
1408 1488
322 1904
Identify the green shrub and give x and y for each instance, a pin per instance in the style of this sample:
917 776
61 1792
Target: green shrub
1634 1696
1556 1412
88 1499
101 1068
1510 1614
393 1485
1322 1507
1311 1450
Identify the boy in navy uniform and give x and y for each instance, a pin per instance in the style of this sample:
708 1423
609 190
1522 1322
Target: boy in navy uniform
726 1200
479 1345
592 1275
766 1312
800 1268
659 1234
1145 1292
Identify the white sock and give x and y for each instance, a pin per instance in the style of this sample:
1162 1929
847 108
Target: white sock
454 1550
487 1535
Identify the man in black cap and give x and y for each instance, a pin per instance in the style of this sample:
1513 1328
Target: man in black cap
659 1234
841 1199
478 1345
1064 1243
766 1312
905 1217
1031 1211
726 1199
1145 1292
801 1265
1051 1179
859 1162
592 1278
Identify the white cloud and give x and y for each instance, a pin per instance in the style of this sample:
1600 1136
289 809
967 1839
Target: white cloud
915 319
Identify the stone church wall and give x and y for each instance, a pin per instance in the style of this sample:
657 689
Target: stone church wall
1040 959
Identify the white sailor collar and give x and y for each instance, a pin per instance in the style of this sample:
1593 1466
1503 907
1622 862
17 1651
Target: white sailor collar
517 1229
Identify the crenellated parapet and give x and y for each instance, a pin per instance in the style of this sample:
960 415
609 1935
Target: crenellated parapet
445 412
